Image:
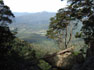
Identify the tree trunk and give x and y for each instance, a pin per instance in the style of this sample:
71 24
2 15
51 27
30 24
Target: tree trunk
90 50
66 37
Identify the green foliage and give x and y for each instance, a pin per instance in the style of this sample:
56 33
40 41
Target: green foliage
5 14
27 55
76 53
78 35
6 36
61 27
44 65
57 24
45 47
14 53
20 57
83 10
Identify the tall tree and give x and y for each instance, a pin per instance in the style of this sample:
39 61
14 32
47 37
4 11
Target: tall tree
15 54
5 34
84 11
60 28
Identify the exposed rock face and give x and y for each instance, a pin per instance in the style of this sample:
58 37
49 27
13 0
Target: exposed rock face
64 59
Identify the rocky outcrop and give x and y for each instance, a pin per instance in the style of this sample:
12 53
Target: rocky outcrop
64 59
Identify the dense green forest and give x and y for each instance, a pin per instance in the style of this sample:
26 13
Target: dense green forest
47 40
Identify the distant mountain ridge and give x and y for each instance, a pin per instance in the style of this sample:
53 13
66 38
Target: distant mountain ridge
31 23
17 14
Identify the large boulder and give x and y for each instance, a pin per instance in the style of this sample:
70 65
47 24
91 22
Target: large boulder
64 59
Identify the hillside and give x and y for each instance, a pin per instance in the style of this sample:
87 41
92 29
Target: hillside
31 23
32 27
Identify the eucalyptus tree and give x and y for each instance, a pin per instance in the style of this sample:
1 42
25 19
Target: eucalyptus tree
61 28
84 11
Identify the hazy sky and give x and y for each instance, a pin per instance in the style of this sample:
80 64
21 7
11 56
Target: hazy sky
35 5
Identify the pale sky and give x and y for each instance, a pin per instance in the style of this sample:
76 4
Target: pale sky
35 5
